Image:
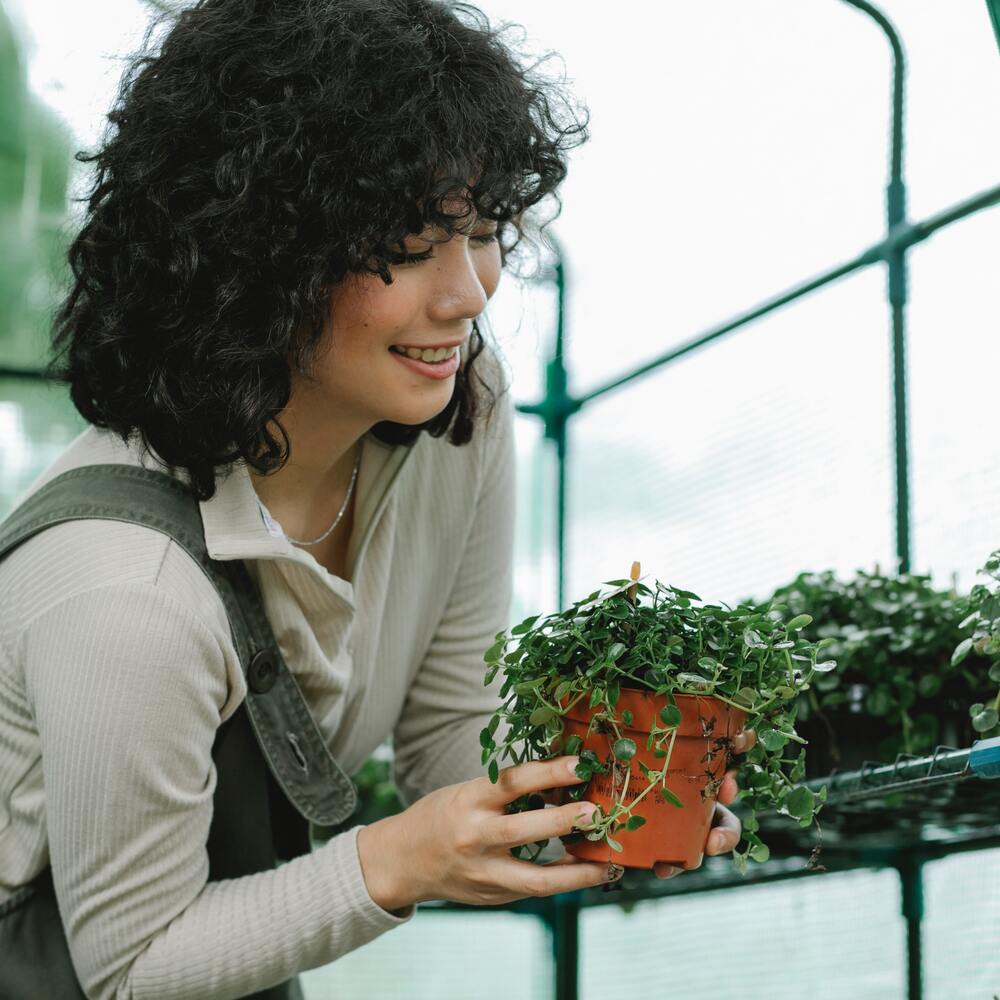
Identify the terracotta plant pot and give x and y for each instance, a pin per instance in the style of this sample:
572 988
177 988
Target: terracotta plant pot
672 834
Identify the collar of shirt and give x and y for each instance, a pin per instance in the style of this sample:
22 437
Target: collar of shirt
238 526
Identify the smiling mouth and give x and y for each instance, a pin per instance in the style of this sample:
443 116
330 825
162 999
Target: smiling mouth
429 355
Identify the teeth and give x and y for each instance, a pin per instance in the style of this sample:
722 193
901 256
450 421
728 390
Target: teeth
430 355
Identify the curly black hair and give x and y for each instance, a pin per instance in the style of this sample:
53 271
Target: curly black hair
266 150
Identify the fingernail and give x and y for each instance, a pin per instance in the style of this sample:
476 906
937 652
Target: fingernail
615 872
572 763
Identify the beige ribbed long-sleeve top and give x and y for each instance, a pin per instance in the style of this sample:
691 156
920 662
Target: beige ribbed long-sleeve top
117 667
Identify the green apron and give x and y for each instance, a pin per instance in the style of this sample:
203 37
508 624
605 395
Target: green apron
275 774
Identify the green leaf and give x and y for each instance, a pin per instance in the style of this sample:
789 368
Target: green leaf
995 673
616 650
695 681
985 721
752 639
541 715
494 771
760 852
798 622
573 744
627 717
634 822
878 702
668 796
528 687
961 652
825 666
771 739
525 626
670 715
613 844
614 693
800 803
493 654
485 738
928 685
624 749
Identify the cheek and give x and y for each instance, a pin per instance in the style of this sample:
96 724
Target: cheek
365 311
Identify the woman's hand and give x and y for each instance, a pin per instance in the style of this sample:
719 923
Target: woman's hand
455 843
726 828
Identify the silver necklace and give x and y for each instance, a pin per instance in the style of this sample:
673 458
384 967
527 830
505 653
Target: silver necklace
340 513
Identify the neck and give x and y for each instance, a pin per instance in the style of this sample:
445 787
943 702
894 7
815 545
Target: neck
305 493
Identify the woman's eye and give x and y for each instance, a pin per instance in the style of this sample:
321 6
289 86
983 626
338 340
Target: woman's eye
417 256
410 257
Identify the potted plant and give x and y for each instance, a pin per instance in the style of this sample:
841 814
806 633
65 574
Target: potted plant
983 624
648 686
897 688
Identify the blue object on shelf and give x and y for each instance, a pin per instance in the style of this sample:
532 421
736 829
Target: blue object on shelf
984 758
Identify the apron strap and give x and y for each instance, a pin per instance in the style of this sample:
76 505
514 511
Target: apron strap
290 740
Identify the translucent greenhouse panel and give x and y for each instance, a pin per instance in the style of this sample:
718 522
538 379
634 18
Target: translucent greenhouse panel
825 938
730 156
37 421
736 468
522 317
444 956
954 360
535 562
961 917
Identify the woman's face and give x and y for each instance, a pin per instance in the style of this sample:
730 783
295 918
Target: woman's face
366 368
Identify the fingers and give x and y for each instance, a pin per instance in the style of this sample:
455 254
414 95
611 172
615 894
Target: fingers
535 776
563 875
539 824
728 790
662 870
725 833
742 743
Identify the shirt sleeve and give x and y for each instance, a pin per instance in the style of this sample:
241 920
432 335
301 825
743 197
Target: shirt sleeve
436 740
128 685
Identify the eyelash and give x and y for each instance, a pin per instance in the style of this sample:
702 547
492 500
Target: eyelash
417 258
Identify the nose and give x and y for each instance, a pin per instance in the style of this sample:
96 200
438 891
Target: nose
461 289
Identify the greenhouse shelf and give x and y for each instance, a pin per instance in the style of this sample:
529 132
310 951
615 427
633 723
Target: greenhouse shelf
882 815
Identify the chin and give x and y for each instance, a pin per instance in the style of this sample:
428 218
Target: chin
413 416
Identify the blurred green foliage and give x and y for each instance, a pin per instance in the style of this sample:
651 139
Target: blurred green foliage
35 161
36 419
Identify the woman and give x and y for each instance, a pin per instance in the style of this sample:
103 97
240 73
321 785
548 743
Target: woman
299 214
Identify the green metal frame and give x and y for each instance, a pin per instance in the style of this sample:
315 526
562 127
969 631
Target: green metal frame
558 406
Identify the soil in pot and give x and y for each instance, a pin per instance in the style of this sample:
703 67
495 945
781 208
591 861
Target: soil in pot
699 753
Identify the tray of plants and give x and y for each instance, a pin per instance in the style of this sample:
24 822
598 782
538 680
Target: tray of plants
648 685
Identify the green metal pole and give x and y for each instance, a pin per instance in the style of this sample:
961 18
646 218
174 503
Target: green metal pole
896 261
564 921
555 409
558 399
912 886
994 8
